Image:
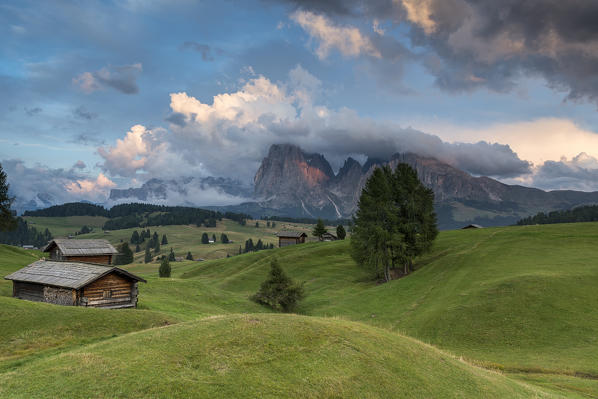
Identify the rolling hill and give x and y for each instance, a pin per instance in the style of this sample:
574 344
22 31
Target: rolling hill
518 300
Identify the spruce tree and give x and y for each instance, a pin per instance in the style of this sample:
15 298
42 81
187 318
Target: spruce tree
189 256
240 250
135 239
7 218
171 256
164 270
319 229
125 255
205 239
279 291
268 224
214 237
157 247
164 240
340 232
223 238
394 223
148 256
137 248
257 224
259 246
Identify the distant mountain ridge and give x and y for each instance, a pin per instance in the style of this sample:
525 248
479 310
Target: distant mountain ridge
290 180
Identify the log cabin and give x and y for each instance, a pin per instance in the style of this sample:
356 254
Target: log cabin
92 251
76 284
286 238
328 237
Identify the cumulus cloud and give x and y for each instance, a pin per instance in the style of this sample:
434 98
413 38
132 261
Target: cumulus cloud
230 136
348 40
121 78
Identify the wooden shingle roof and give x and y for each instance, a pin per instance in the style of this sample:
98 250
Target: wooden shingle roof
292 234
65 274
71 247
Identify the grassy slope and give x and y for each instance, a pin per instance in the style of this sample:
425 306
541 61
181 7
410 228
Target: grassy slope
259 356
517 298
520 298
63 226
30 329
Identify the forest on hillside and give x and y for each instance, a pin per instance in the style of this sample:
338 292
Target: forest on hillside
587 213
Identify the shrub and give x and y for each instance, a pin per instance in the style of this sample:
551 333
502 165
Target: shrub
279 291
164 270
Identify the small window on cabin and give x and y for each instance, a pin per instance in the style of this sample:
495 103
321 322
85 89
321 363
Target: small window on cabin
107 294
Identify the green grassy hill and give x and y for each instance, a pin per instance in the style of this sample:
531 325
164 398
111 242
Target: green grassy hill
521 300
259 356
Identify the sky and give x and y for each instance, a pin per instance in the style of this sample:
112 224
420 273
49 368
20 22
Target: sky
99 95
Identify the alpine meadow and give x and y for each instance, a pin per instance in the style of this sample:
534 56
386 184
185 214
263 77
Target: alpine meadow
299 199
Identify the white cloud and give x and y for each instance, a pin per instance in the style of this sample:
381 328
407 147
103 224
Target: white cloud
419 12
347 39
89 187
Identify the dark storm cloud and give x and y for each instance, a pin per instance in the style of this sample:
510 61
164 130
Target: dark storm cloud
488 43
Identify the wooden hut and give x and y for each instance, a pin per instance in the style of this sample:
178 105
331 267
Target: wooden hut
286 238
472 226
92 251
76 284
328 237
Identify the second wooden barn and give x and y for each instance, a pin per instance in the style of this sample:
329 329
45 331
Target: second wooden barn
93 251
76 284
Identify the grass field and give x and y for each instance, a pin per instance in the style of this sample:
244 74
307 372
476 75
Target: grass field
65 226
519 300
180 238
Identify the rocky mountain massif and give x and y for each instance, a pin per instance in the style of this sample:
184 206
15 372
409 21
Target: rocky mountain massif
292 182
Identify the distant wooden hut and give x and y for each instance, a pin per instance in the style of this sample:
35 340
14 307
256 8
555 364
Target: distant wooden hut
472 226
328 237
286 238
76 284
92 251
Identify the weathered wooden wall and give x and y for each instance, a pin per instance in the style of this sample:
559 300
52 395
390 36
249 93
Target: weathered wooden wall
102 259
30 292
284 241
112 290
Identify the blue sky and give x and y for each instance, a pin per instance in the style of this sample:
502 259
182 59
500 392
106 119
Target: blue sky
341 78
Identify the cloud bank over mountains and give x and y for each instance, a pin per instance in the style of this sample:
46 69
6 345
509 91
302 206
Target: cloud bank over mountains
230 136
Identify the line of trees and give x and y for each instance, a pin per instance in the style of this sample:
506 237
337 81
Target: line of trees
250 246
588 213
24 234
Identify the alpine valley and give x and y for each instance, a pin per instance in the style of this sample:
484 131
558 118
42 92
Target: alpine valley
293 183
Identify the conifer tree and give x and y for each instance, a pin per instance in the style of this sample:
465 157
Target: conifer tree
148 256
171 256
125 255
319 229
137 248
164 270
340 232
135 239
214 237
157 247
394 223
240 250
259 246
279 291
189 256
205 239
7 217
223 238
257 224
164 240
